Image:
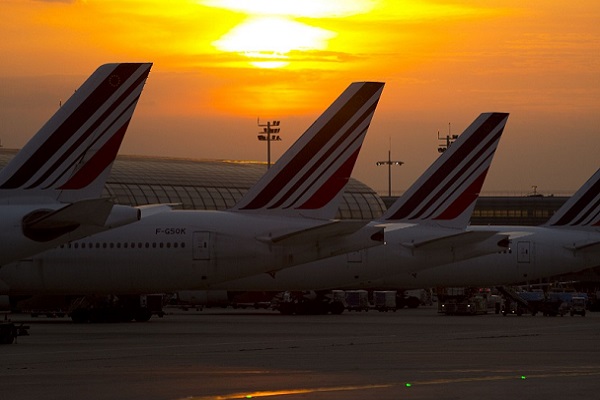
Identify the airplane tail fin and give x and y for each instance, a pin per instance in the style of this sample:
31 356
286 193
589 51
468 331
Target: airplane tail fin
582 210
309 178
445 194
70 157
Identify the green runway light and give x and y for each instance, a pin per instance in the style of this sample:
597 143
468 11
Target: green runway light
408 384
523 377
248 396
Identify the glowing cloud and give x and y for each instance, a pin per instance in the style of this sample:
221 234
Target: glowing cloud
295 8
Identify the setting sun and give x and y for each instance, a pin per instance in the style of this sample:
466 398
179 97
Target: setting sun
273 30
268 40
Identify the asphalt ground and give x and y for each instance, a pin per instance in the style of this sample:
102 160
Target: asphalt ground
242 354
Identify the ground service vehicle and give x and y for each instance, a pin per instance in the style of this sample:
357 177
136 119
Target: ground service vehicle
578 305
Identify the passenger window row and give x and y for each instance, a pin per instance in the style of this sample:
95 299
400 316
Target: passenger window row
126 245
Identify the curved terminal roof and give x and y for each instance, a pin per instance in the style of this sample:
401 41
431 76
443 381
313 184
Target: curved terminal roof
206 184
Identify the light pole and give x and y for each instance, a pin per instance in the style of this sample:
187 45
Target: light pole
268 134
449 140
389 163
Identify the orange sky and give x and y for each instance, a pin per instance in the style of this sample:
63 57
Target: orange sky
220 64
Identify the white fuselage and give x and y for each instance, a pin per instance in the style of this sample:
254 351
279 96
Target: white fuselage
170 251
190 250
535 252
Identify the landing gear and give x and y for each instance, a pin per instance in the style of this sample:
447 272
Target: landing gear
9 331
115 309
313 304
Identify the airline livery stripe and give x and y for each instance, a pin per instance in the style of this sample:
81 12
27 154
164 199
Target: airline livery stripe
325 157
589 216
68 153
334 184
319 141
62 134
98 163
463 152
327 170
464 200
464 181
73 148
102 119
462 176
580 204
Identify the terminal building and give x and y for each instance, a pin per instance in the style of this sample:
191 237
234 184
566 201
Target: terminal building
219 184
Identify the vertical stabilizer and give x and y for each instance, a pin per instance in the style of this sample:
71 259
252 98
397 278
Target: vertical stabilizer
308 180
445 194
582 210
70 157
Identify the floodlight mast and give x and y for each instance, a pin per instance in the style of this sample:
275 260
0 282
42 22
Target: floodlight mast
389 163
449 140
268 134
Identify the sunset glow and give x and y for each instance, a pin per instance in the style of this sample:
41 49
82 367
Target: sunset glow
220 64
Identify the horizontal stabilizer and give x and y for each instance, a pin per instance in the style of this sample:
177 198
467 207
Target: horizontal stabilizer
460 239
316 233
589 246
86 212
79 219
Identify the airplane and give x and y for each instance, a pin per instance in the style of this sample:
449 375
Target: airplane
568 242
285 219
425 227
51 191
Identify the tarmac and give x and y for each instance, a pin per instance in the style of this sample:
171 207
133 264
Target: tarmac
242 354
